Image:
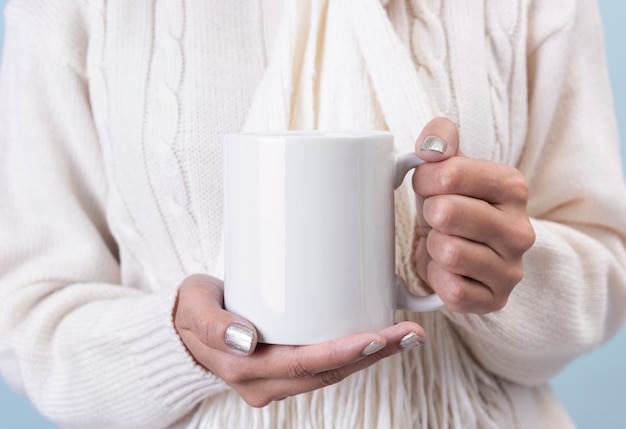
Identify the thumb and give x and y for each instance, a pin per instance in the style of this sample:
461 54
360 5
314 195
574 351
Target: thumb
438 140
200 312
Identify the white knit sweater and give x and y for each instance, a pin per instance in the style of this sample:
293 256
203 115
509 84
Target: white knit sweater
111 120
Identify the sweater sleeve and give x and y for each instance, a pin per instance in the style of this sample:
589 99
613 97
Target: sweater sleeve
85 348
573 296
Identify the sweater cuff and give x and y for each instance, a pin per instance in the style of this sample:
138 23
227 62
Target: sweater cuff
172 376
552 316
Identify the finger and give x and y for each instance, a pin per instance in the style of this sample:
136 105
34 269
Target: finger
438 140
402 336
275 371
473 260
398 337
309 361
275 361
496 183
200 312
477 220
263 391
463 294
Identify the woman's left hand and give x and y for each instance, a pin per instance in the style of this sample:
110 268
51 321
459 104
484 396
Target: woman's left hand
473 222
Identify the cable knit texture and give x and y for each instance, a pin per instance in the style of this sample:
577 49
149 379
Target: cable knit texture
112 115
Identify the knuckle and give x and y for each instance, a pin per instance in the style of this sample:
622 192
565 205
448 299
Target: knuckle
449 255
500 296
517 274
442 213
331 377
449 177
499 301
297 369
523 238
528 238
455 295
201 326
518 186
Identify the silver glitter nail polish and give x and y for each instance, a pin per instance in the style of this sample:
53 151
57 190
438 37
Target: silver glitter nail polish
435 144
239 337
372 348
410 341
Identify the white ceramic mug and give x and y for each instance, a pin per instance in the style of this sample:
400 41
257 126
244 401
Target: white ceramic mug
309 234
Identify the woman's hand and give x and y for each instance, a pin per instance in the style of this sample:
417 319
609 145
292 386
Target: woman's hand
473 223
226 345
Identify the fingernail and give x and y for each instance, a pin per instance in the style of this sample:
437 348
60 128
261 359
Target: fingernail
435 144
239 337
410 341
372 348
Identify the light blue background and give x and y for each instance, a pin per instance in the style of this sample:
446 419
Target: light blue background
593 388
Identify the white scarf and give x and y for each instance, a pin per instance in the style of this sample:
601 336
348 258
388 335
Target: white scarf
339 64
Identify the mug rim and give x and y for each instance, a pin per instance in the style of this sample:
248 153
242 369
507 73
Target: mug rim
331 133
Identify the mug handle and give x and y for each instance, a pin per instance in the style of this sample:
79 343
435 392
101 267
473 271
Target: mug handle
405 300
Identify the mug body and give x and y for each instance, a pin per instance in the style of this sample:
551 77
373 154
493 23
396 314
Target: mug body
309 233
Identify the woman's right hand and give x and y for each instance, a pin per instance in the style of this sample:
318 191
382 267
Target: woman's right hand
226 345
